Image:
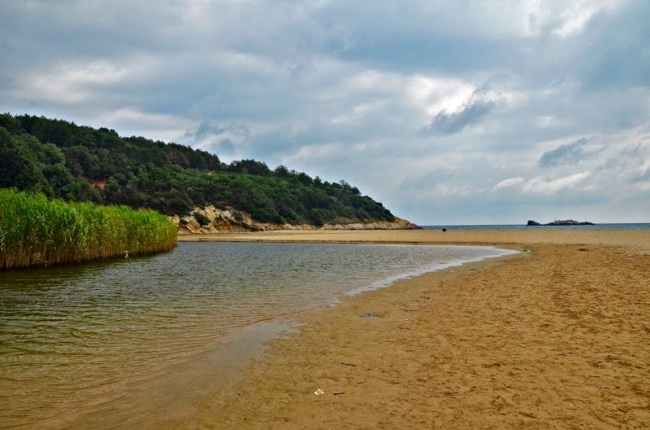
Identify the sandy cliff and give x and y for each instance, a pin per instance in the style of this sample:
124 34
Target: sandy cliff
230 220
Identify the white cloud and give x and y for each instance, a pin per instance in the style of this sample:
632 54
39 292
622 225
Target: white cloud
450 190
131 121
432 95
541 185
510 182
577 14
71 83
547 121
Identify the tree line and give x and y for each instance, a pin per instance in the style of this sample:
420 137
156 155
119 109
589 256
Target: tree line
79 163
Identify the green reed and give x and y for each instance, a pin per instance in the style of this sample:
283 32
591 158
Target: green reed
37 231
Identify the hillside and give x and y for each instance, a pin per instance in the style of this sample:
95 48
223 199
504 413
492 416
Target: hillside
80 163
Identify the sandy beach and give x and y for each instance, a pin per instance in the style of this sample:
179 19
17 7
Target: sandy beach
557 336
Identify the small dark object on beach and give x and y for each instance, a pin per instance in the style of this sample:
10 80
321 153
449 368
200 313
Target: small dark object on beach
444 229
582 249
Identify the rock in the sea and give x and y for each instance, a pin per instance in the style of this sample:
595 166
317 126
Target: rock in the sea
561 222
570 222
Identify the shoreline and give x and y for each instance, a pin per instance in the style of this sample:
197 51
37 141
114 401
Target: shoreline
552 338
515 238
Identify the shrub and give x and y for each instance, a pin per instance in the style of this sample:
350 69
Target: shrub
201 219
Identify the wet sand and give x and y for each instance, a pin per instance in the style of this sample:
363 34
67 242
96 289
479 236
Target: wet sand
555 337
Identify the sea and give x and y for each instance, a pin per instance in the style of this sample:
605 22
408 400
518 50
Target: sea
611 226
142 342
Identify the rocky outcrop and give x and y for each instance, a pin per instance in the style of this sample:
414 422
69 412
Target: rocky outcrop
230 220
561 222
570 222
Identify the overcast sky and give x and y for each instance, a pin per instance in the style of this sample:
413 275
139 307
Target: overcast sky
447 111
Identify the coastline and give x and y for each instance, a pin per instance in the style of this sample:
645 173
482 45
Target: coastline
515 239
555 337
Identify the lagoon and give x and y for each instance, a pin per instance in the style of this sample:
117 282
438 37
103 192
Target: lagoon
91 343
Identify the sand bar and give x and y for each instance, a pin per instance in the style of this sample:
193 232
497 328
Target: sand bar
557 337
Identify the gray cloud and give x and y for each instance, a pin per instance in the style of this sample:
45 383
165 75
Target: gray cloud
207 129
614 58
570 153
469 114
225 140
473 111
223 148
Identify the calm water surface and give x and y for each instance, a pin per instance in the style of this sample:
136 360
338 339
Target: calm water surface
79 340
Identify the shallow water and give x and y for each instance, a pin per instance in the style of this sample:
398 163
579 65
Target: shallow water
80 342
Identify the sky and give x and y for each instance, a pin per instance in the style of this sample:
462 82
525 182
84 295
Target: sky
447 112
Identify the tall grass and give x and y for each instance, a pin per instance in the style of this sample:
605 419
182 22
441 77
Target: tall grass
35 230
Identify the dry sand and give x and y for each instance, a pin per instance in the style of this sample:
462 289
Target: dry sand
558 337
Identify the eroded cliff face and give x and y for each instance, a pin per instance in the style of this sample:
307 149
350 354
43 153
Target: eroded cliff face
230 220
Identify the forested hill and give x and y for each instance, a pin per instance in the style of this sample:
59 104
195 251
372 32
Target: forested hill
79 163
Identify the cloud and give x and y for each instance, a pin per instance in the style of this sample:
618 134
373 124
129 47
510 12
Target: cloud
481 103
423 105
616 58
639 172
508 183
224 147
541 185
570 153
207 129
453 123
220 139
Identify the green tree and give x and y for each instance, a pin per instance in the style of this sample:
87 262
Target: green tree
19 167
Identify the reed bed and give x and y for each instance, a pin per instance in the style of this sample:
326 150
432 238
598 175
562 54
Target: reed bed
37 231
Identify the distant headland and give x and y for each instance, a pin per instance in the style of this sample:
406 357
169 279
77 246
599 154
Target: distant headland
560 222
